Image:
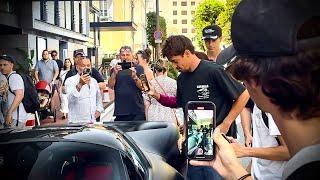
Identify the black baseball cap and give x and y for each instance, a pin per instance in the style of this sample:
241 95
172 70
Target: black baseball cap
261 28
7 58
211 32
78 52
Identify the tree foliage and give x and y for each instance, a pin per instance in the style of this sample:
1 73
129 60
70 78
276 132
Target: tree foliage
206 14
173 73
224 20
151 27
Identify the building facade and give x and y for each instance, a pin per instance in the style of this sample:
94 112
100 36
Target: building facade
37 25
179 16
121 23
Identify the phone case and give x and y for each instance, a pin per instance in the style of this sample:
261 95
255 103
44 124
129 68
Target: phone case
200 121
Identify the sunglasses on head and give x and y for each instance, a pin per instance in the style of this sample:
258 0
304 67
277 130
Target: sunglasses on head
125 48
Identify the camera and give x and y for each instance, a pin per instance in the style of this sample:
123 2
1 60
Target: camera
87 71
125 65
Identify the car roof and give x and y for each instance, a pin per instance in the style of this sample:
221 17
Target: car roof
94 134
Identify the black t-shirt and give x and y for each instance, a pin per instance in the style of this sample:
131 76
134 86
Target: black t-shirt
209 82
94 74
60 66
128 97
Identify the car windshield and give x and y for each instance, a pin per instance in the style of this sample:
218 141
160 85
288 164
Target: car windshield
60 160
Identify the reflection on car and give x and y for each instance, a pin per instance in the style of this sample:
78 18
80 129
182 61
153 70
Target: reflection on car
114 151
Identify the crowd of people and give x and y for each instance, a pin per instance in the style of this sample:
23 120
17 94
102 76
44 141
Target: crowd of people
268 79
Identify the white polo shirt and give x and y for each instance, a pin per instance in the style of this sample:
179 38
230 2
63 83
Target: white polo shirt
265 137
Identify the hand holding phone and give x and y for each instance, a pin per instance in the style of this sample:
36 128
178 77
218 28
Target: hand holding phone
199 123
144 82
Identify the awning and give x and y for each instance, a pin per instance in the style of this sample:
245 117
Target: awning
114 26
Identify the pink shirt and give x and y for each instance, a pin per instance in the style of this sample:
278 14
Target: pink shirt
168 101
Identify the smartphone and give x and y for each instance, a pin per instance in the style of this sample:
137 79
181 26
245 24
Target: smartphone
87 71
200 122
144 82
125 65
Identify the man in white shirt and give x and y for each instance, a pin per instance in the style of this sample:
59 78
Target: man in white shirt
16 85
85 103
268 150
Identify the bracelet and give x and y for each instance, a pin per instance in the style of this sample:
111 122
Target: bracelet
244 176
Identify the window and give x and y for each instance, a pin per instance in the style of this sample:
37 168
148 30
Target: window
184 13
175 21
192 20
192 12
58 160
193 30
174 3
184 3
193 3
184 21
184 30
175 13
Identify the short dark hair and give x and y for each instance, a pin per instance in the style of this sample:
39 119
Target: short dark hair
53 51
176 45
291 82
45 51
201 55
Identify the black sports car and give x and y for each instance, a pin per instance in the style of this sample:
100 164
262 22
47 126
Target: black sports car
122 150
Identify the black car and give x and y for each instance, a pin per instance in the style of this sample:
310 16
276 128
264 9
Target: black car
119 151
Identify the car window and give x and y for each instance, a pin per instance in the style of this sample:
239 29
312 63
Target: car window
60 160
134 172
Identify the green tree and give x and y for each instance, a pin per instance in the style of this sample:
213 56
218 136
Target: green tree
173 73
224 20
151 27
206 14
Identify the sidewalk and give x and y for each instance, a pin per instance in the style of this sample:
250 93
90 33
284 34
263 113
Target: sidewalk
60 121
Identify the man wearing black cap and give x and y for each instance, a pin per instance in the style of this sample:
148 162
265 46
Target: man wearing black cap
281 70
212 36
79 54
15 94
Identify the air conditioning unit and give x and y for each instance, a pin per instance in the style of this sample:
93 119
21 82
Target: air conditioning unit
105 18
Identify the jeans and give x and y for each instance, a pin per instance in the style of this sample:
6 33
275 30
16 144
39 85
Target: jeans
202 173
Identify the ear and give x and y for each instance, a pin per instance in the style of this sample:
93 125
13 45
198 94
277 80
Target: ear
187 52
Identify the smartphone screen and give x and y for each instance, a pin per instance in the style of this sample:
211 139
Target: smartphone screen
200 123
144 82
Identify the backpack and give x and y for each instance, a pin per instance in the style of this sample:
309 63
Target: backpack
266 122
30 99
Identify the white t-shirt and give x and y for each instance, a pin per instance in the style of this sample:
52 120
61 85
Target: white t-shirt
15 83
265 137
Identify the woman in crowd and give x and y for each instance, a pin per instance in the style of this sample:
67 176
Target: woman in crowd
63 96
166 85
143 57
